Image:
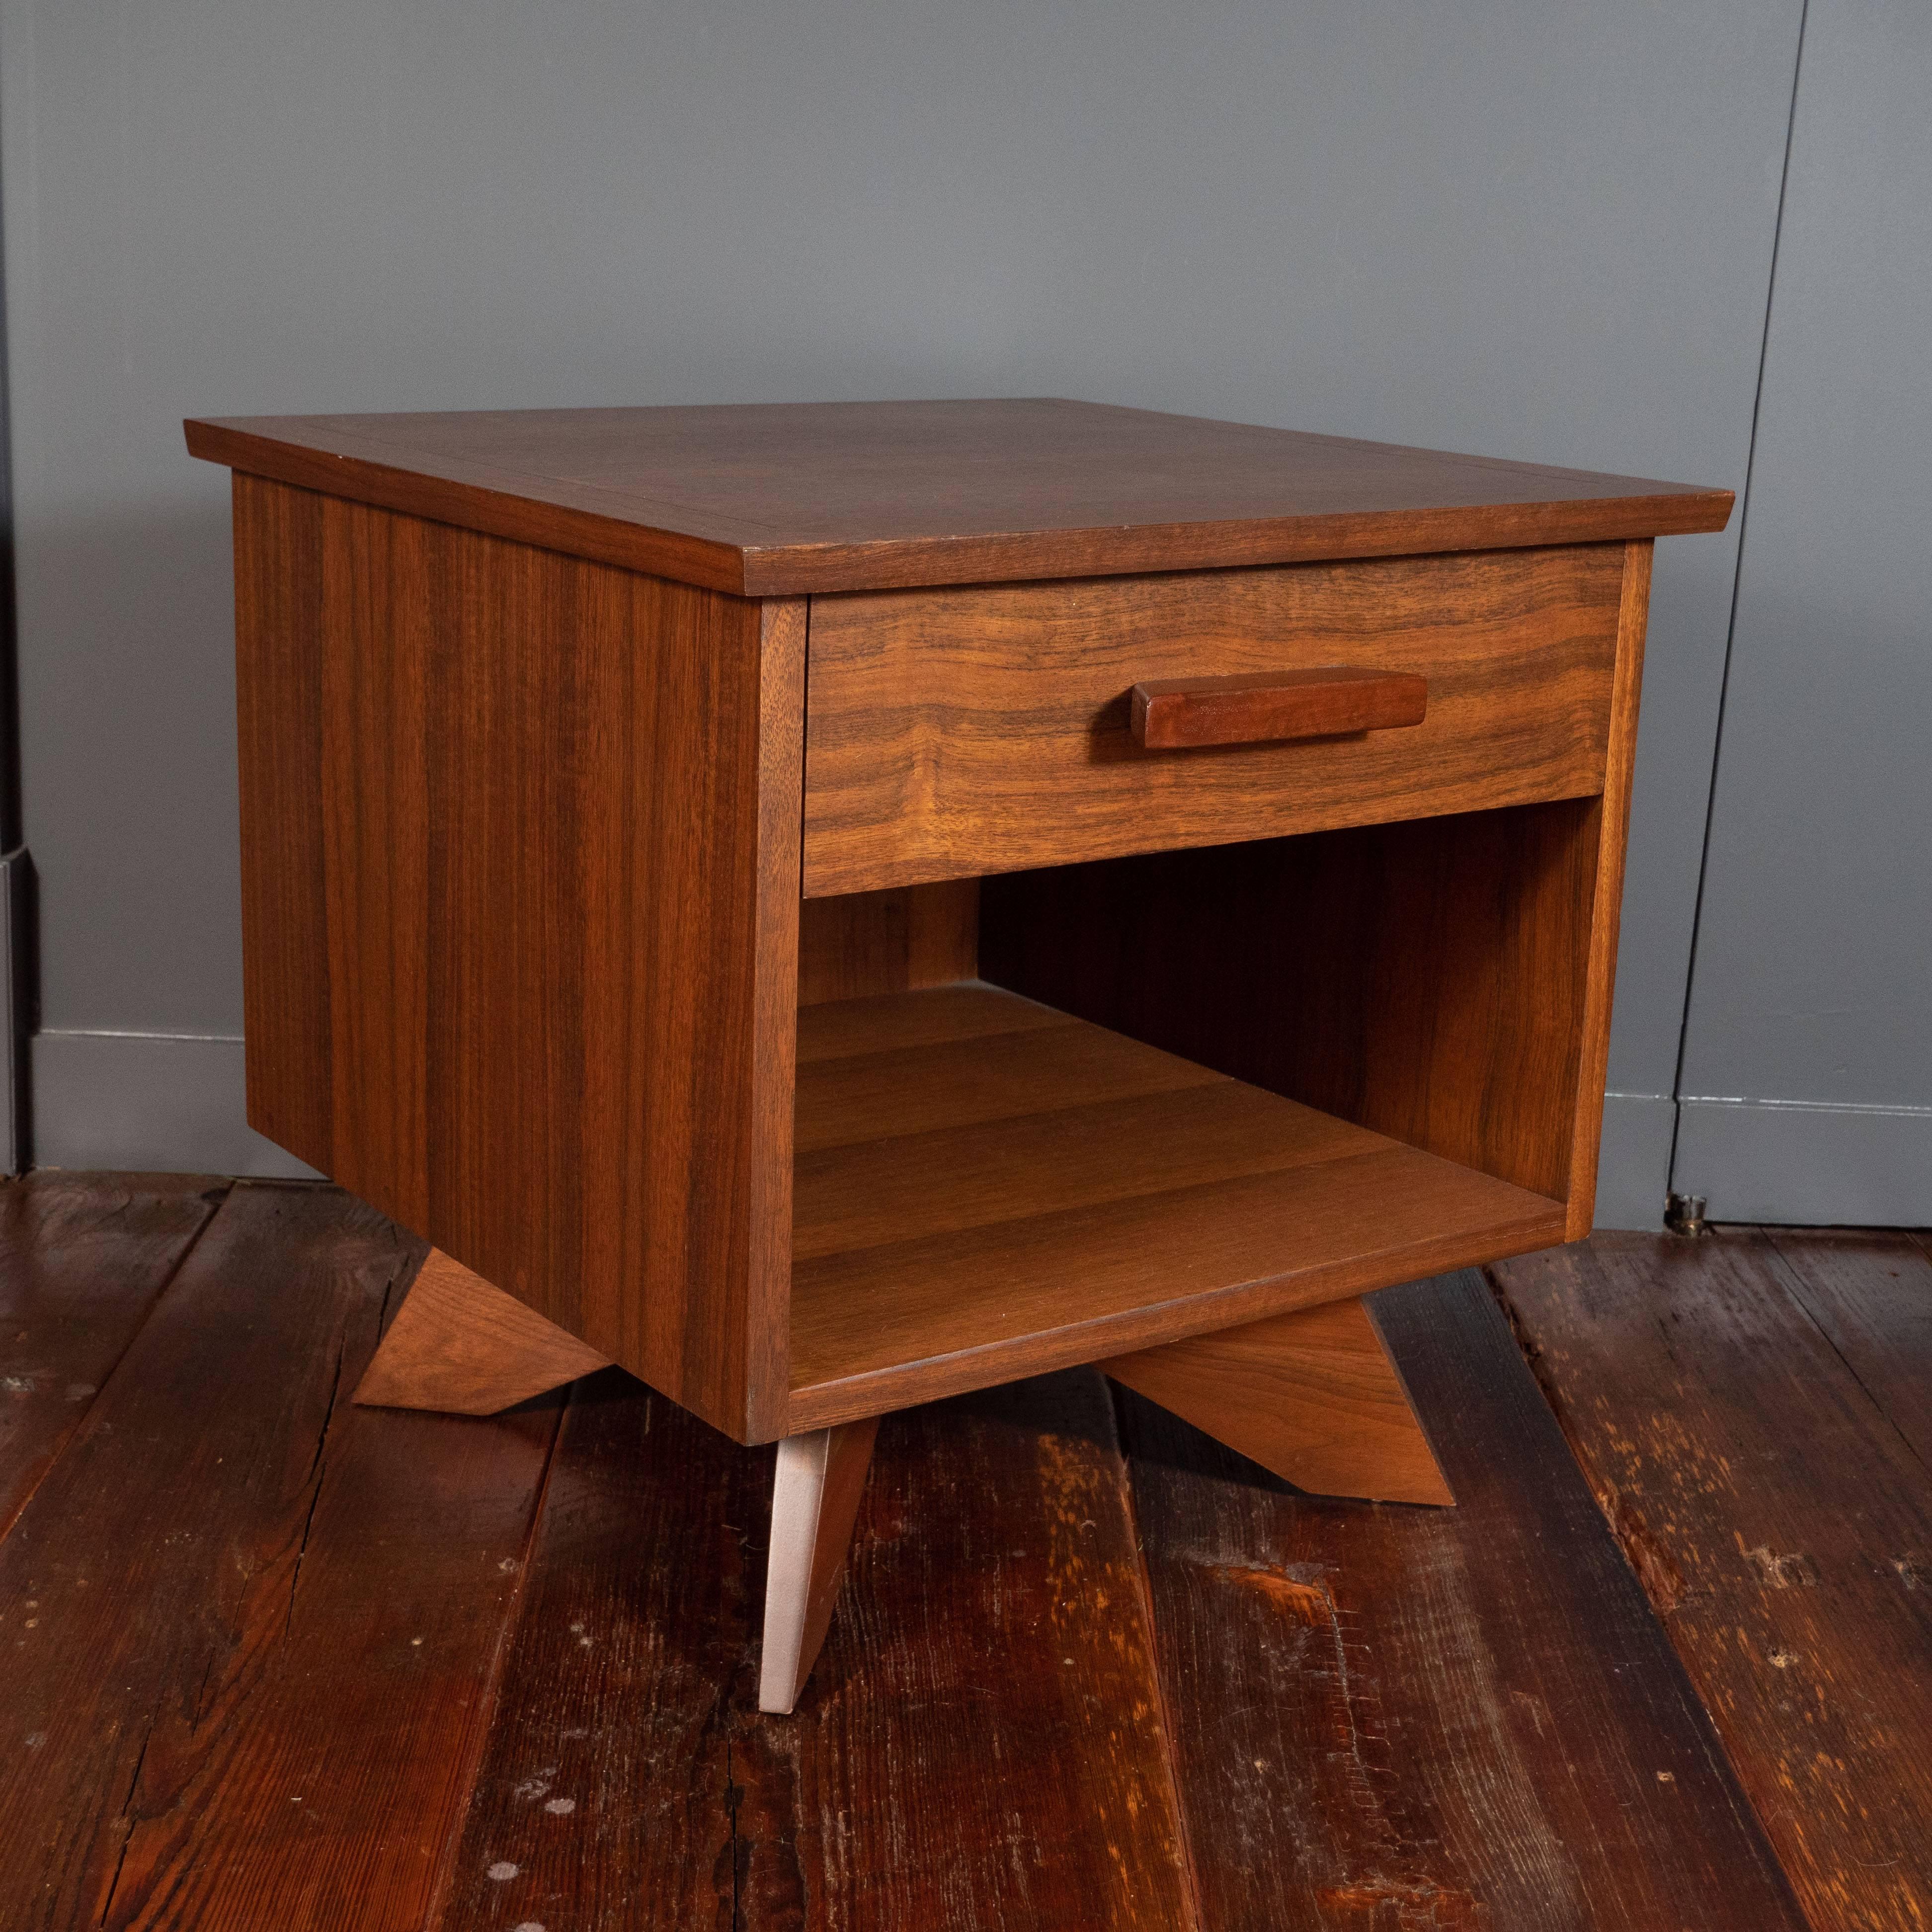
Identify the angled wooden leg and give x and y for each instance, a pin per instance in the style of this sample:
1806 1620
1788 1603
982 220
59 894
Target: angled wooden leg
821 1476
1312 1395
460 1344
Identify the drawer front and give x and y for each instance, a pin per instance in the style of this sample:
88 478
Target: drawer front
955 732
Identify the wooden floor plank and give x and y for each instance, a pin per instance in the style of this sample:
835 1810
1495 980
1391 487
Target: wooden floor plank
980 1746
215 1712
1870 1292
1406 1720
249 1628
604 1799
1717 1393
83 1257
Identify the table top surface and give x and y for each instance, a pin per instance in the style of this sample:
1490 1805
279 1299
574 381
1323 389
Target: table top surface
765 500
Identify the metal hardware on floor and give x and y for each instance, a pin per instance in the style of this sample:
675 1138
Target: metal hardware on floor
1684 1214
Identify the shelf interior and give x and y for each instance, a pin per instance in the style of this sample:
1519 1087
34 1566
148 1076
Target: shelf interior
985 1187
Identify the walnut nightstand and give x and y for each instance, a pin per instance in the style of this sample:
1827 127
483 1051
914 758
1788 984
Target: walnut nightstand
828 907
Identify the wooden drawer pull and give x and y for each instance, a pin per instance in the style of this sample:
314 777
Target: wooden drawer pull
1326 701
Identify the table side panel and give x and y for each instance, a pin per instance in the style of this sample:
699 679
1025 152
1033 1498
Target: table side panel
975 730
285 999
1611 828
537 819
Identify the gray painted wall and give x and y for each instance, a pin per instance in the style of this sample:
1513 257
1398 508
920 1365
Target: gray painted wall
1539 231
1808 1059
15 947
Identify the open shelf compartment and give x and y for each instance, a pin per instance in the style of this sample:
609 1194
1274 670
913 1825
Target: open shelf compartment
986 1187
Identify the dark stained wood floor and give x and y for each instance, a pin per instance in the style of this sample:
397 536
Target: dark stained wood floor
268 1661
1754 1412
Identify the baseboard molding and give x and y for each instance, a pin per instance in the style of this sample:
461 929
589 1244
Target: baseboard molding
1634 1168
156 1103
169 1103
1806 1164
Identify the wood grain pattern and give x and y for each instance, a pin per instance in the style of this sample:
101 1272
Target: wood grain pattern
1433 1720
1870 1295
990 1203
1778 1509
887 1023
772 499
546 841
1313 1396
1410 1721
815 1498
1612 827
278 706
609 1794
992 1616
970 731
249 1628
1250 707
461 1346
870 1096
983 1743
1429 981
82 1258
891 942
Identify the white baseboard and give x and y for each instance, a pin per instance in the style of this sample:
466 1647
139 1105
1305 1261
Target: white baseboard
1807 1163
155 1103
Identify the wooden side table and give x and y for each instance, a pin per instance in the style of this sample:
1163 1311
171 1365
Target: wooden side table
830 906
